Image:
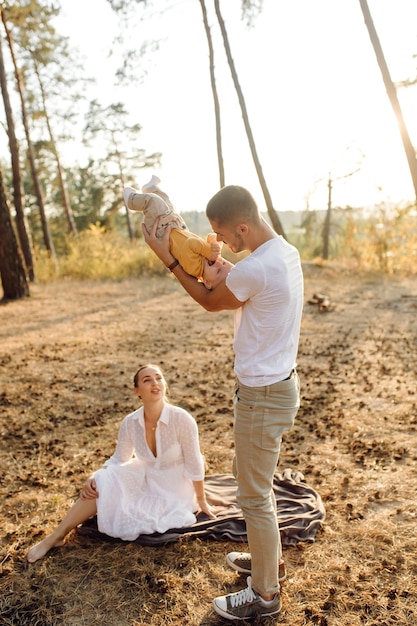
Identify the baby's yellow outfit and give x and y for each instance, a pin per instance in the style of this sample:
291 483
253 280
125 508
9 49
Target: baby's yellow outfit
190 250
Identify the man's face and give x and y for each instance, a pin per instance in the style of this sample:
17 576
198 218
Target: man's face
229 235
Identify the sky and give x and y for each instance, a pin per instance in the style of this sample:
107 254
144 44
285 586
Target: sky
314 93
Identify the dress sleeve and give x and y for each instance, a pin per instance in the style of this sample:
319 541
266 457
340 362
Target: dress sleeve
189 441
124 446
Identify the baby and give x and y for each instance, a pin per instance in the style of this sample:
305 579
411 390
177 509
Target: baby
198 257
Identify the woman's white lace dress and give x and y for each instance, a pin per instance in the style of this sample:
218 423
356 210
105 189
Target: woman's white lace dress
139 493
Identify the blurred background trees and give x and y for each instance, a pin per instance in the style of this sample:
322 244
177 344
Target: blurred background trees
59 220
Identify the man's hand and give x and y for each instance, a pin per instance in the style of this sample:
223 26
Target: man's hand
159 245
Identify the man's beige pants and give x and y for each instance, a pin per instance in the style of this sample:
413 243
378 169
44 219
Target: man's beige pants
262 415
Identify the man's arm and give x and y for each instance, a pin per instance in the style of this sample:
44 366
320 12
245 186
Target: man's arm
217 299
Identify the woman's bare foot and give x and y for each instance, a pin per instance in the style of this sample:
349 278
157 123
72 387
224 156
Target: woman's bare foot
39 550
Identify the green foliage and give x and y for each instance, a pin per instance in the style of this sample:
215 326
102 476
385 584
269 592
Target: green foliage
110 126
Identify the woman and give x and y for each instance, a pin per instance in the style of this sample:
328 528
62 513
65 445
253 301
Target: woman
154 480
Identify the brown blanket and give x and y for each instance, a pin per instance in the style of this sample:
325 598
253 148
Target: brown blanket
300 512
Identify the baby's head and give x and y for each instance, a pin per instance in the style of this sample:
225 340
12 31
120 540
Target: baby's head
215 271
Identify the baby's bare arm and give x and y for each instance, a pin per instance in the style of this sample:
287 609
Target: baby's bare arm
216 250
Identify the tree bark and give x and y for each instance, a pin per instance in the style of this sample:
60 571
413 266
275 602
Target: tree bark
12 271
18 196
72 228
35 178
273 215
327 220
123 181
392 93
215 96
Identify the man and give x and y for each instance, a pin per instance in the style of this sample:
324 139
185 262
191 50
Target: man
265 291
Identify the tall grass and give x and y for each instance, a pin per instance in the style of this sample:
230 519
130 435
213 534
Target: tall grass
98 254
383 242
387 243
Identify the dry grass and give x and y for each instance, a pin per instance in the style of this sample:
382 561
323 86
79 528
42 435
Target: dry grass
67 355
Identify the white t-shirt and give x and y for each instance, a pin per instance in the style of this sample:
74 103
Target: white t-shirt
267 327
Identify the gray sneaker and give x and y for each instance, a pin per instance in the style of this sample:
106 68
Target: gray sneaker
242 562
245 604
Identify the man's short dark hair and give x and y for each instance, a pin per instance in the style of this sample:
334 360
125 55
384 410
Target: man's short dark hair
231 205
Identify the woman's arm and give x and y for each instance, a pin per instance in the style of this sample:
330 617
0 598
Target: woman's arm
124 449
201 498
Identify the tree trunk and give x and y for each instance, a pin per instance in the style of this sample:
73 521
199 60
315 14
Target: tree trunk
273 216
123 181
72 228
35 178
327 221
392 93
215 96
18 197
12 271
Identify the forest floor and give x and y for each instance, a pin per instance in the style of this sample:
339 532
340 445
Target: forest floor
67 357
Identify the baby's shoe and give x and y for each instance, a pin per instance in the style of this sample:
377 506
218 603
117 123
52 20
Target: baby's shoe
152 185
128 196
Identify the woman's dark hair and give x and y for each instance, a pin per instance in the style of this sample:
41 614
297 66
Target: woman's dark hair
144 367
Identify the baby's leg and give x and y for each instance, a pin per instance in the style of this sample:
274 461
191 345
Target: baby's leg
152 187
151 204
81 511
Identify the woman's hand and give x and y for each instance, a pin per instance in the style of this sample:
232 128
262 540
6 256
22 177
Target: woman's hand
206 508
89 491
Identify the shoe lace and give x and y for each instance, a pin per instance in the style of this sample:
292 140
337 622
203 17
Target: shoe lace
244 559
242 597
